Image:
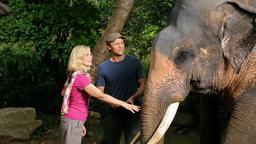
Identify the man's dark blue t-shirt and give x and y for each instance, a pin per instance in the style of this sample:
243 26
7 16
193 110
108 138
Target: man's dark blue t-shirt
120 79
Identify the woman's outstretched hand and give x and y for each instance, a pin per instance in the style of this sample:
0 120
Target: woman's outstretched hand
131 107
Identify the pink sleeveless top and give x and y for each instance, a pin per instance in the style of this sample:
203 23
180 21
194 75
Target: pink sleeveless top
78 106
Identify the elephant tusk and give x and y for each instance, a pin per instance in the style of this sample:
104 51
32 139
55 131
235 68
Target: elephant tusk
165 123
136 138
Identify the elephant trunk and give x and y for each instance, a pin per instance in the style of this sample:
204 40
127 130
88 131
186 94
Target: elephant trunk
165 123
155 108
165 85
149 121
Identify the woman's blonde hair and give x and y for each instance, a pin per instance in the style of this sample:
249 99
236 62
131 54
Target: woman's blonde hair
75 62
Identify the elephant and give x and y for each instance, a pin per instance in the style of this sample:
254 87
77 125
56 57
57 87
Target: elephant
207 48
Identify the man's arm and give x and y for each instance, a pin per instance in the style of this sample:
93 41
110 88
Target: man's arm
139 91
100 82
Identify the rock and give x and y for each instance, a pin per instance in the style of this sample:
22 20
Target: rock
18 123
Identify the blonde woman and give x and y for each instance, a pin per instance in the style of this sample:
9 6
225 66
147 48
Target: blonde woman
77 91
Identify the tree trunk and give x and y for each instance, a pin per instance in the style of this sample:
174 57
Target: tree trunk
4 9
116 23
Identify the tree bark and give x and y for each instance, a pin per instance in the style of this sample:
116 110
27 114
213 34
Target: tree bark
116 24
4 9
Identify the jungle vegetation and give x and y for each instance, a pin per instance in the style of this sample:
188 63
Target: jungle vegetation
36 39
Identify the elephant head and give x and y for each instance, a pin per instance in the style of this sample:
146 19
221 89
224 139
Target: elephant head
208 47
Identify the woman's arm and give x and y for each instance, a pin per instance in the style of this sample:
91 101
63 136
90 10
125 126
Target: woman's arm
95 92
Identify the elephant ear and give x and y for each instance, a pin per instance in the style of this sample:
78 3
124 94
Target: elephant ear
237 32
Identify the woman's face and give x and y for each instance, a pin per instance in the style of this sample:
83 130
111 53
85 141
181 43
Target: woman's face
87 61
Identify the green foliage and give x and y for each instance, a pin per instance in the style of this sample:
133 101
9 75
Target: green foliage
146 20
36 39
35 44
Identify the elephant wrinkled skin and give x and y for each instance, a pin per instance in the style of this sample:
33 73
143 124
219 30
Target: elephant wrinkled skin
208 47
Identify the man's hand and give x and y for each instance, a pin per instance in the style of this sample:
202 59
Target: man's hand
130 100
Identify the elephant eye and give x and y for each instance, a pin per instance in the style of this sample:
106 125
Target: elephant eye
183 56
